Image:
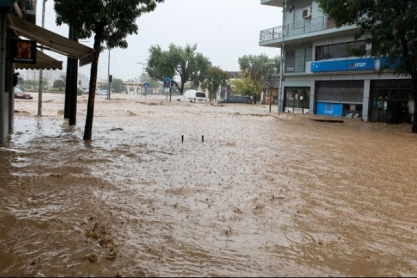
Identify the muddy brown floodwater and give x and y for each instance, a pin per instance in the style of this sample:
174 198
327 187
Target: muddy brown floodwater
180 189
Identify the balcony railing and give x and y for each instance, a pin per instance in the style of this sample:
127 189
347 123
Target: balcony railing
297 28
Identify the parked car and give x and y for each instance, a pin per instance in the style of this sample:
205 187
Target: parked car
18 93
236 99
192 96
102 92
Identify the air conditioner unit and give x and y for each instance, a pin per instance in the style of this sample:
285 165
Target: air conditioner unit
307 13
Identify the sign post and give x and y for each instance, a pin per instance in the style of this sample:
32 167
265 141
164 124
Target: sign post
271 85
167 86
146 86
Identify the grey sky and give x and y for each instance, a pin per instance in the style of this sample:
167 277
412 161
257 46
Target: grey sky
223 30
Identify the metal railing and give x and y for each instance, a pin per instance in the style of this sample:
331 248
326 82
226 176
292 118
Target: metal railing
297 28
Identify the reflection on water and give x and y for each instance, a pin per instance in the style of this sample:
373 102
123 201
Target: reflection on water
263 195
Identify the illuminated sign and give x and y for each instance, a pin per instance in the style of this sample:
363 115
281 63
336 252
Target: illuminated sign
23 51
343 65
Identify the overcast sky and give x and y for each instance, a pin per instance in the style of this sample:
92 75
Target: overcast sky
223 30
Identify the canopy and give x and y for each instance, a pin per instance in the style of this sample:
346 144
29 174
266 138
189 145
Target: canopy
51 40
43 61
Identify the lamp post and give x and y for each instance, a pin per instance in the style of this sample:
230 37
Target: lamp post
40 71
283 30
109 78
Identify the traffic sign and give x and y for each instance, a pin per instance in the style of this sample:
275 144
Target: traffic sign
146 85
167 82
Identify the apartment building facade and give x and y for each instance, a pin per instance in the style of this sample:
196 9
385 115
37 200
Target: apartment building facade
325 71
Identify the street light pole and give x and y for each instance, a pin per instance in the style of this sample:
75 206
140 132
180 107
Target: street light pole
40 71
109 77
283 30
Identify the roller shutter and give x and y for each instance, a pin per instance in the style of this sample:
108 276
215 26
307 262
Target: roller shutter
343 91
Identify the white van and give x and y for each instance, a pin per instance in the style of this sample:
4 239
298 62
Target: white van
192 96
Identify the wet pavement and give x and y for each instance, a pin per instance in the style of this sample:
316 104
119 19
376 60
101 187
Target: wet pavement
180 189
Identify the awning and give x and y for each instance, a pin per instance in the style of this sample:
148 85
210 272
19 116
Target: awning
51 40
43 61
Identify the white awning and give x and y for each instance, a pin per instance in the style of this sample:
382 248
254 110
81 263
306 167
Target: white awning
51 40
43 61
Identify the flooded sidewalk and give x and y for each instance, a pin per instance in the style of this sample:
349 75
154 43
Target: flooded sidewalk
182 189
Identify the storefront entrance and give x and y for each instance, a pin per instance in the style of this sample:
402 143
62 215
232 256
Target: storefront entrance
391 101
297 100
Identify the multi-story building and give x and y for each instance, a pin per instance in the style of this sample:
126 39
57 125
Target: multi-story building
326 71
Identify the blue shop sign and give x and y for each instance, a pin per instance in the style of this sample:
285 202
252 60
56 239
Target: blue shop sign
329 109
343 65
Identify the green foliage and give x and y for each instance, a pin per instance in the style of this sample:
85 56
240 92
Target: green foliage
110 21
30 83
255 73
244 86
185 62
389 25
152 82
116 85
58 83
214 78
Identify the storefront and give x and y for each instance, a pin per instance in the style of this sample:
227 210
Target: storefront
297 100
391 101
342 98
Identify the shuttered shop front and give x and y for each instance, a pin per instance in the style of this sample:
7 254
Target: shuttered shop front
350 91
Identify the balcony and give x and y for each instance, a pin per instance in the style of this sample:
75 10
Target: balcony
298 28
275 3
304 31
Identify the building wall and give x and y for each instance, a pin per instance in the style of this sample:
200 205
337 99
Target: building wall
359 86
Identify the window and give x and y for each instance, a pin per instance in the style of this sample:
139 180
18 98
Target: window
295 59
341 50
290 61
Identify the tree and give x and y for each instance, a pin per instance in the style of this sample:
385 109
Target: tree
214 78
110 22
116 85
59 83
185 62
244 86
392 28
255 71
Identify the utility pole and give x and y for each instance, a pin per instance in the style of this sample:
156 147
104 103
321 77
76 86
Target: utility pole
109 77
284 31
40 70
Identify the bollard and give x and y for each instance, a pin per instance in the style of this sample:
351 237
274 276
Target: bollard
202 138
182 138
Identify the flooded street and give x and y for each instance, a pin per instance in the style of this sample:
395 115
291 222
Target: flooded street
180 189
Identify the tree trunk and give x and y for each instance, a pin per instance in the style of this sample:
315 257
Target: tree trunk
414 80
92 88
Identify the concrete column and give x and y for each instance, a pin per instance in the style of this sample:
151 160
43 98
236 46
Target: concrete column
312 97
4 123
366 94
